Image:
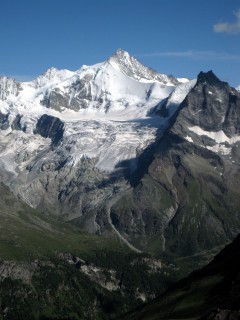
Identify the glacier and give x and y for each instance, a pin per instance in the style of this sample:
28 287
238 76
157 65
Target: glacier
105 108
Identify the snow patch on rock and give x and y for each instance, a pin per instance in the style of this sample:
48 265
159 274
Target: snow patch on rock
218 136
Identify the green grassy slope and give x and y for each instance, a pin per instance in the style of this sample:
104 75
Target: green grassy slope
37 281
26 233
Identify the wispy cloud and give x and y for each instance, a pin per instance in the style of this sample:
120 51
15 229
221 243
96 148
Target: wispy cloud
226 27
193 54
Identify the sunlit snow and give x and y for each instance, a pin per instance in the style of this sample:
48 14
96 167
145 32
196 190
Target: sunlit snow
218 136
117 129
220 139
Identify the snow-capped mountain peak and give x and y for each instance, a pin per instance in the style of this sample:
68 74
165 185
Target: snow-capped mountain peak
130 66
101 112
50 73
122 59
52 76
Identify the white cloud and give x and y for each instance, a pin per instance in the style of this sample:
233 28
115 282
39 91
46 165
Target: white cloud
193 54
226 27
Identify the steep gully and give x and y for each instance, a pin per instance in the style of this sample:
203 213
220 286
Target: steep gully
111 202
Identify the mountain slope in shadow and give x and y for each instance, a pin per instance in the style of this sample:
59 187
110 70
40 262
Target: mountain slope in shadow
208 294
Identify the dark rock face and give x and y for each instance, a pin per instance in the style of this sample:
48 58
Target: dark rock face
55 100
50 127
16 125
4 122
182 200
212 105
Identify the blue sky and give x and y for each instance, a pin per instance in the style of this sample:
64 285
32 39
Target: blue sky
179 37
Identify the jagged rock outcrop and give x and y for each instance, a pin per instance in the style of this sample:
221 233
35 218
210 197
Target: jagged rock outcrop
8 87
4 123
16 271
50 127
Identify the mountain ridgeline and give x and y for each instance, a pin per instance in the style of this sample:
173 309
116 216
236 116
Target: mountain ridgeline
146 161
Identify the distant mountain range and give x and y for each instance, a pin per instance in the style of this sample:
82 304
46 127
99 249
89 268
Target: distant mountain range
147 164
121 150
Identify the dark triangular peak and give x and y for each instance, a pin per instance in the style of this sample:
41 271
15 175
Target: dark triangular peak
211 105
209 78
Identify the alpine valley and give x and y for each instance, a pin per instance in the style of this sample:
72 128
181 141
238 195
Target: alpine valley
116 181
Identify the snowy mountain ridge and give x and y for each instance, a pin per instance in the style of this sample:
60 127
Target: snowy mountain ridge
102 87
118 82
119 93
131 67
